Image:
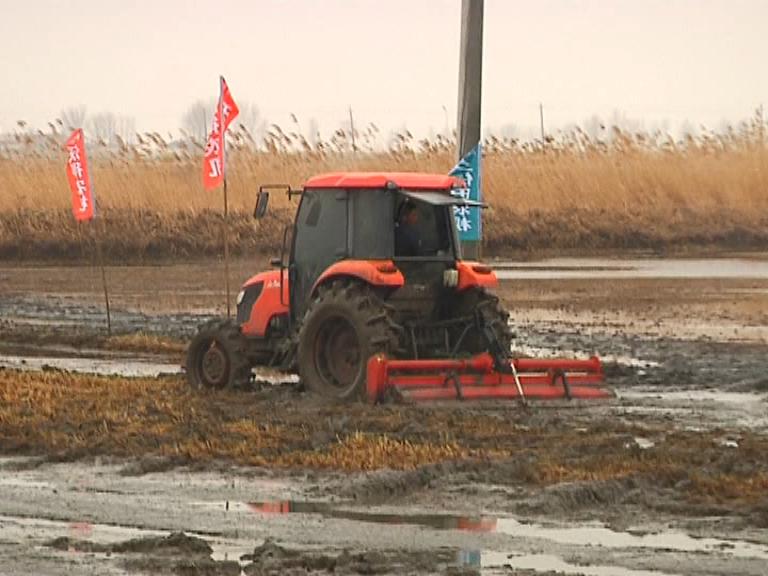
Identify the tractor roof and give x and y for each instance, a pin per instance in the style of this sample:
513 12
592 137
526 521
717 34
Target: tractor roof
407 180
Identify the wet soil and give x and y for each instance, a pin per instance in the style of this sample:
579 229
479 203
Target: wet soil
669 477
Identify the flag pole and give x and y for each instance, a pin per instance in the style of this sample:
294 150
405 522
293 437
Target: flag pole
226 207
84 205
100 258
98 232
226 247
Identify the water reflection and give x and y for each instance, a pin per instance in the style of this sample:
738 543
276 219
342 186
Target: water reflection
586 535
436 521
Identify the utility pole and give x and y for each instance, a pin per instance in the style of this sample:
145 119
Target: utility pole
541 118
470 89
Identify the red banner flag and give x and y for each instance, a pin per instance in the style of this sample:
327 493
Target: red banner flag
213 161
77 174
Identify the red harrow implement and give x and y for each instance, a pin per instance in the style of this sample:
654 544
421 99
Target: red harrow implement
481 377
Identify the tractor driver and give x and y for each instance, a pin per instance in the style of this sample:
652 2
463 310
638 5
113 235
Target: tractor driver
407 234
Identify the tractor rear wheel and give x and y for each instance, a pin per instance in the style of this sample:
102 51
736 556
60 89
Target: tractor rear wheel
494 315
216 357
345 325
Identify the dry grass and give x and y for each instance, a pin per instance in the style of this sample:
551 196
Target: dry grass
571 192
143 342
71 416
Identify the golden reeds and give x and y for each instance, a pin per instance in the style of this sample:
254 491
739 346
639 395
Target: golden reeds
569 192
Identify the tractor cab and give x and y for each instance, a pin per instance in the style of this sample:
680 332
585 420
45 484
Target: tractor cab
347 224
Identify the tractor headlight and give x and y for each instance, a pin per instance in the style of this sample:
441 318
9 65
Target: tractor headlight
451 278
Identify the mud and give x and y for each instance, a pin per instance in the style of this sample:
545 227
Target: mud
271 558
670 477
132 367
656 268
93 518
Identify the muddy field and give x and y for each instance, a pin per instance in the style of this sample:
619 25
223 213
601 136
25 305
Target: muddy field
111 465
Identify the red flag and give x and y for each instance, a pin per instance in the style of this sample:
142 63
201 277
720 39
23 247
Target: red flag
213 160
77 174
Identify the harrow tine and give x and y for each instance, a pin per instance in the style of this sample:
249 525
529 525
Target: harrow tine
517 383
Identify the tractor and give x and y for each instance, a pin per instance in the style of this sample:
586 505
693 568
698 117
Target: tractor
370 272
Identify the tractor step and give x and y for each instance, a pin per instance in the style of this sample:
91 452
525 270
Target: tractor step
482 377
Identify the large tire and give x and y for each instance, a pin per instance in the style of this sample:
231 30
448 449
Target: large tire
344 326
494 314
216 357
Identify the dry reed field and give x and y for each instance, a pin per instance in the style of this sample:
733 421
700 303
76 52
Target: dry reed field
570 193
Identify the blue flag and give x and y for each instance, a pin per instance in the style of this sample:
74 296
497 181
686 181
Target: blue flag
468 221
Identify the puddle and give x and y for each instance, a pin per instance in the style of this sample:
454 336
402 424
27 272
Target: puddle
134 368
435 521
129 367
16 527
565 268
736 398
651 326
542 352
748 409
548 563
585 535
747 291
644 443
23 483
229 551
598 535
273 377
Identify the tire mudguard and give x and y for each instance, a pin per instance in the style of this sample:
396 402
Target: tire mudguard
474 274
373 272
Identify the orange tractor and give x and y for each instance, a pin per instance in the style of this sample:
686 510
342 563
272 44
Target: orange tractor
371 299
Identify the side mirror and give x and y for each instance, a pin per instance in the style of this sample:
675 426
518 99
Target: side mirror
261 204
276 262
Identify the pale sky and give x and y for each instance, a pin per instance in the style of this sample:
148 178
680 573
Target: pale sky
395 62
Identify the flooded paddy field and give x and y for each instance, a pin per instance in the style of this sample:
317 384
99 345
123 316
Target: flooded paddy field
108 457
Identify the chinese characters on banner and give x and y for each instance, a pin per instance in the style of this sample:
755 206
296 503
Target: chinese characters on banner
468 217
213 161
77 174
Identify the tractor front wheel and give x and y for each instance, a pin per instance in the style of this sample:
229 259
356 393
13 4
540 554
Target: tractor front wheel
216 357
345 325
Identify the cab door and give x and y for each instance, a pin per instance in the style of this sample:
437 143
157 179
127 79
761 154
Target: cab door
320 239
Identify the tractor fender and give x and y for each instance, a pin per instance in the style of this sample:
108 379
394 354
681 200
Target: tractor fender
475 274
268 304
382 273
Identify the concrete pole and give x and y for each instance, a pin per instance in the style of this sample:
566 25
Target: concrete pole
470 74
470 88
